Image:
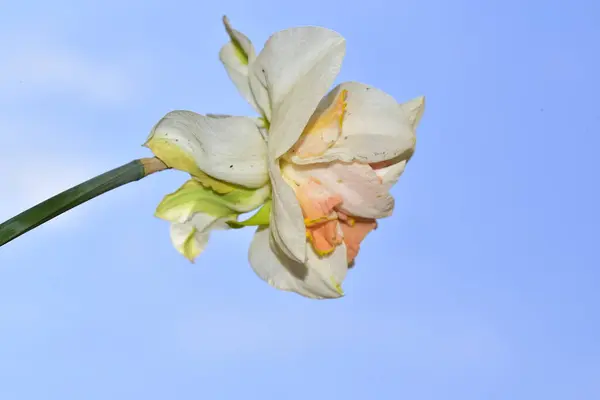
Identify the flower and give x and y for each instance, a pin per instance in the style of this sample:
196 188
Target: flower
322 162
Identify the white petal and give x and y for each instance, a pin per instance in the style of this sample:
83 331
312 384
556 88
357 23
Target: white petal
190 238
287 220
292 73
362 192
318 278
239 39
238 73
375 127
260 93
236 56
390 175
227 148
414 110
259 121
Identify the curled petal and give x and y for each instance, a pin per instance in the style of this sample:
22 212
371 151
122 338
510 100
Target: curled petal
362 192
195 210
231 149
236 57
318 277
355 231
287 221
193 197
243 46
261 218
289 77
319 216
414 110
323 130
375 127
389 171
190 238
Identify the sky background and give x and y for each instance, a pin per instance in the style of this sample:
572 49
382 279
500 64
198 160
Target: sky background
483 285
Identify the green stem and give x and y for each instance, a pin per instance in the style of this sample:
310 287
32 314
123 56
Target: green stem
62 202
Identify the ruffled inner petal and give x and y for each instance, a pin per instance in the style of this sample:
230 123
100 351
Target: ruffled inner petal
355 230
319 216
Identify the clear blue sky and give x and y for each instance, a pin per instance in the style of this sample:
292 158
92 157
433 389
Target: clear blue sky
483 285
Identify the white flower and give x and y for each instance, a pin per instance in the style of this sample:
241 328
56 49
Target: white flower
328 158
332 156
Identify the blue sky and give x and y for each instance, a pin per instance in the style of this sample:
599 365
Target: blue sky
483 285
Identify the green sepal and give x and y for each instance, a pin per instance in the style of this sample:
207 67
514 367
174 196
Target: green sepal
193 197
261 218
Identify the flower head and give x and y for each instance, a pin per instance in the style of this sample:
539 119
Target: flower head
321 161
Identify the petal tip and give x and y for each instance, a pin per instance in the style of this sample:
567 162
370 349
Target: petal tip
415 109
337 286
227 24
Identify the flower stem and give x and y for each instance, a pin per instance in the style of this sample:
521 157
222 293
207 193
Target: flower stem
71 198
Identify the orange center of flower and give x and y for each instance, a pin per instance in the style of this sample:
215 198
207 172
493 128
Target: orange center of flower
326 227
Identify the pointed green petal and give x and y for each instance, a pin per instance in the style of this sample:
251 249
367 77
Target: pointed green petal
196 210
190 248
193 197
261 218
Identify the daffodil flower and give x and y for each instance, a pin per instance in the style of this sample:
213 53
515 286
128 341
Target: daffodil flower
327 158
